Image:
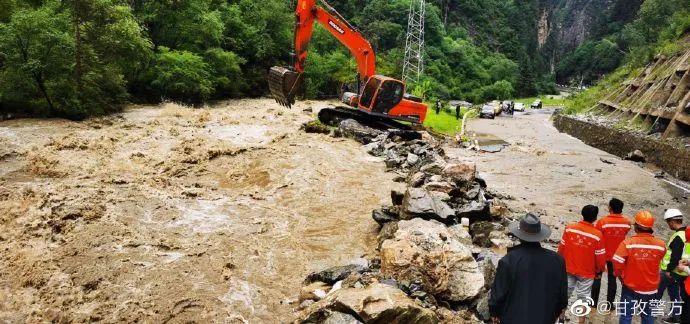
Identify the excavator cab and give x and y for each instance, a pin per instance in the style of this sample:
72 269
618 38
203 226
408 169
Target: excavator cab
381 94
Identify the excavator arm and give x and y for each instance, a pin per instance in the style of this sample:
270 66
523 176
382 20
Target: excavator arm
284 82
307 12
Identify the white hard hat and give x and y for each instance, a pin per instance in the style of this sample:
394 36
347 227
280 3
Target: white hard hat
672 213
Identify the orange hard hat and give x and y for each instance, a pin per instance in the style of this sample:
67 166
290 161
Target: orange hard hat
644 218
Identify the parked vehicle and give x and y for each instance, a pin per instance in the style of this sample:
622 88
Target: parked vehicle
487 111
507 106
519 106
536 104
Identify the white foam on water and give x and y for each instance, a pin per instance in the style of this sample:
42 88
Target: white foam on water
204 216
241 135
172 256
240 292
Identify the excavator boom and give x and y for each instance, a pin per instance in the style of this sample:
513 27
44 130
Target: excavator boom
379 97
284 82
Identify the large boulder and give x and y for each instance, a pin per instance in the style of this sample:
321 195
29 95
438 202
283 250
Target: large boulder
428 252
422 203
352 129
461 172
377 303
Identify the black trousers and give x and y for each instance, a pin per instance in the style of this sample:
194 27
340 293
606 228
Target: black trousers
685 313
610 289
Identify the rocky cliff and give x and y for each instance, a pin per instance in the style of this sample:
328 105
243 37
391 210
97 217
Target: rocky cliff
566 24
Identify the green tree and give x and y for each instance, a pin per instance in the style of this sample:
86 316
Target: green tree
36 48
180 75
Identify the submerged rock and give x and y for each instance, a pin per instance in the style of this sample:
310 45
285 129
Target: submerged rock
334 274
315 126
377 303
428 252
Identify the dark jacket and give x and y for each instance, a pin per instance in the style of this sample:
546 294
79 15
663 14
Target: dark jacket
530 287
677 246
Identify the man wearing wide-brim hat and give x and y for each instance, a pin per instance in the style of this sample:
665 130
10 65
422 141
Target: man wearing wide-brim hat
531 286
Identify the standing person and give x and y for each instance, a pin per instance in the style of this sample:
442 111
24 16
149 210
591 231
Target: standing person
530 286
672 276
457 112
636 262
615 226
438 106
582 247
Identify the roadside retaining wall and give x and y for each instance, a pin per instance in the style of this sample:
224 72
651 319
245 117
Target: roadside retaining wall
672 159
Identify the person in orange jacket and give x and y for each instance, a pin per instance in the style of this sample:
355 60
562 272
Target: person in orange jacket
636 262
582 247
615 227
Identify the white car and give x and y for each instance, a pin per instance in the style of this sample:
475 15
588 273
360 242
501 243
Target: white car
487 111
519 106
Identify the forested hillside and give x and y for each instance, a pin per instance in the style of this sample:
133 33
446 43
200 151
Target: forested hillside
589 39
75 58
79 57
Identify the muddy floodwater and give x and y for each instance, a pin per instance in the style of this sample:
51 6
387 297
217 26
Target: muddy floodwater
169 213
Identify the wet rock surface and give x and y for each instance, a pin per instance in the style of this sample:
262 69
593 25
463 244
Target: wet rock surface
377 303
428 251
425 253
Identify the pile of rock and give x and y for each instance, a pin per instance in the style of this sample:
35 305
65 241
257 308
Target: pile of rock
436 243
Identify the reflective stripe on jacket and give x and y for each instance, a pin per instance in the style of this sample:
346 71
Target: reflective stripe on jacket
582 247
614 227
637 261
684 254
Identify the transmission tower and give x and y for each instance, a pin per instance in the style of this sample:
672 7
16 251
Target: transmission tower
414 43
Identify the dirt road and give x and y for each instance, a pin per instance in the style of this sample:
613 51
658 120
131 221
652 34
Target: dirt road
168 213
555 174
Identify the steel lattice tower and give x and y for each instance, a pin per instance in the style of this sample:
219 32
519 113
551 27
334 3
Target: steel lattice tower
414 43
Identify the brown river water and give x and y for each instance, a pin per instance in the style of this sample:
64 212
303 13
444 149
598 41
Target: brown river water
168 213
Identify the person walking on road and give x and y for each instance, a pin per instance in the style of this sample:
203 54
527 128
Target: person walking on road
672 277
614 227
636 262
582 247
530 286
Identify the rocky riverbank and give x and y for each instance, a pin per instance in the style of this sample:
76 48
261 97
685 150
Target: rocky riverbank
438 244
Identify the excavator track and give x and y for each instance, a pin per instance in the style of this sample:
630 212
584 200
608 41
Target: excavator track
333 117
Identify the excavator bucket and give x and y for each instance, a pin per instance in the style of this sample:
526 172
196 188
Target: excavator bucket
283 83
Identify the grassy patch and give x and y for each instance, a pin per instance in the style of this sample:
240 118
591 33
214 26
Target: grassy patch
443 122
585 100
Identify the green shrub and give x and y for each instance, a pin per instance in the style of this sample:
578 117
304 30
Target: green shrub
181 76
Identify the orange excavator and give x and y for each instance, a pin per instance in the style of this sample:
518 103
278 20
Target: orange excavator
380 98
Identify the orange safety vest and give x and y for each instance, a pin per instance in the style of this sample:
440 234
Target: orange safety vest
614 227
582 247
637 261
